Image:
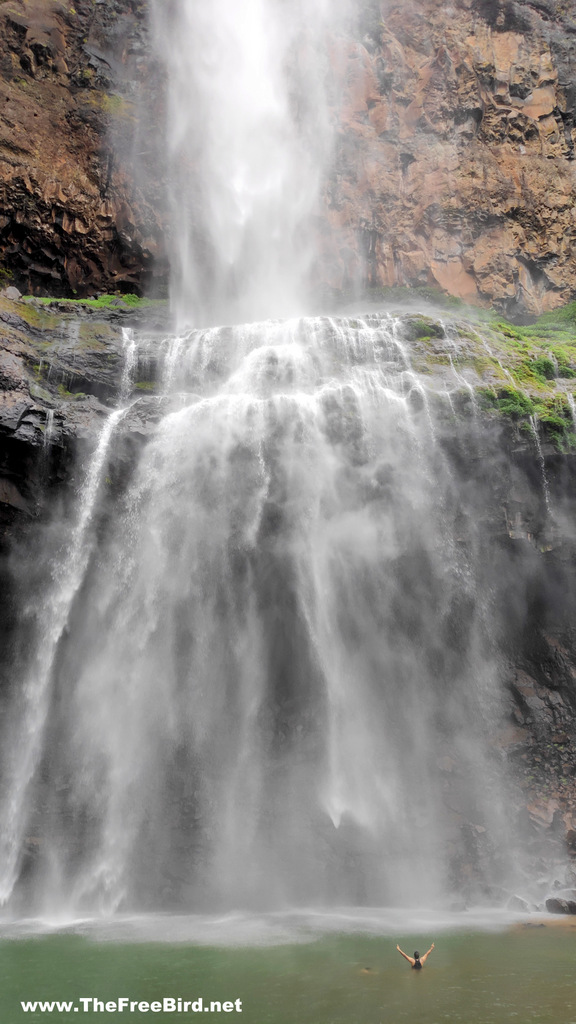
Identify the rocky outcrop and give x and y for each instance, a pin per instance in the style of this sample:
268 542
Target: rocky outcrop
530 561
75 217
454 160
60 372
561 905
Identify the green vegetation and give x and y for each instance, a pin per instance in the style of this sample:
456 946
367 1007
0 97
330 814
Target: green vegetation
552 412
523 374
544 368
507 401
85 77
524 367
75 395
554 333
128 301
423 328
523 370
537 359
111 103
538 356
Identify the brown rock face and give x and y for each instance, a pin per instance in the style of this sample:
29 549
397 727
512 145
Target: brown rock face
454 163
73 220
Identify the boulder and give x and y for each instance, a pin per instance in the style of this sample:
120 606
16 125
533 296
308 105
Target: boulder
11 293
557 905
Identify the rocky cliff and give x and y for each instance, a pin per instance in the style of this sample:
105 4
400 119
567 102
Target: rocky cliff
453 164
75 217
455 157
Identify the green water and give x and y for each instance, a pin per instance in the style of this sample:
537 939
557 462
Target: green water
525 976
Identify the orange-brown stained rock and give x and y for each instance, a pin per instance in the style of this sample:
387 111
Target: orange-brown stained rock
461 173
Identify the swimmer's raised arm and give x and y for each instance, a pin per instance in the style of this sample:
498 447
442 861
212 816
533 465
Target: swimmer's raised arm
405 955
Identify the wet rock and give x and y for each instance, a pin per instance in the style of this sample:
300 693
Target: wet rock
88 227
10 495
557 905
60 371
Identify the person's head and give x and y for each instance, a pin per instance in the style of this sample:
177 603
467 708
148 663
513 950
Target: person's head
416 955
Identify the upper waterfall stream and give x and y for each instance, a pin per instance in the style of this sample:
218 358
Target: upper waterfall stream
250 118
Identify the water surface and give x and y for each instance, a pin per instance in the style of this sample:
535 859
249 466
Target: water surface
524 974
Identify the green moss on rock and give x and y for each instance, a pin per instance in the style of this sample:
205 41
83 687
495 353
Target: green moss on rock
507 401
422 328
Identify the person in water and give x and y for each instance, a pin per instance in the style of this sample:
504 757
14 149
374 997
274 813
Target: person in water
417 961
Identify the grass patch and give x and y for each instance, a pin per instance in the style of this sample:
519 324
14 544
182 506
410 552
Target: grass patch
544 368
128 301
422 328
552 412
507 401
75 396
538 354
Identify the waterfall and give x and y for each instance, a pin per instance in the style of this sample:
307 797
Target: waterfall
248 136
130 349
572 404
541 462
278 646
264 670
25 729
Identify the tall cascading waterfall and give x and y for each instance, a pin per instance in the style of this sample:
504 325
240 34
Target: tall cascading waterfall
247 670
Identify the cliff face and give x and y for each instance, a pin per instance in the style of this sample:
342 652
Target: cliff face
453 164
455 159
73 217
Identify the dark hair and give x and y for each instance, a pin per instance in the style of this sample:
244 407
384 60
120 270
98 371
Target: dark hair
416 956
